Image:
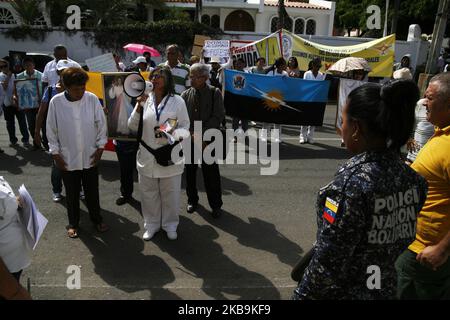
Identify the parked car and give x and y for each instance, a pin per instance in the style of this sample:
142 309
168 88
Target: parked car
40 59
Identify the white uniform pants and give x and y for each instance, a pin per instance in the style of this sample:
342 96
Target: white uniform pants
160 201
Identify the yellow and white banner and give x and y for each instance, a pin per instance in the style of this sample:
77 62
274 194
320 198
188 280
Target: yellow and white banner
379 53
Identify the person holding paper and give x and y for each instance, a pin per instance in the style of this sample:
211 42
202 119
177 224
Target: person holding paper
14 248
76 132
160 183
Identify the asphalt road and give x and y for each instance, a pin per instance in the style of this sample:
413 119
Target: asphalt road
248 253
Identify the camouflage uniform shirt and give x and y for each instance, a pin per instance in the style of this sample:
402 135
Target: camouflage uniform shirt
366 218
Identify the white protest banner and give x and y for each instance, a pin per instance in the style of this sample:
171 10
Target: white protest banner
216 48
103 63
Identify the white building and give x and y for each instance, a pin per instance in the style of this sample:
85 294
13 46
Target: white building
9 17
260 16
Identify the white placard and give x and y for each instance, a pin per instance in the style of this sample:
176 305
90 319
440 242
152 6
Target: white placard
217 48
103 63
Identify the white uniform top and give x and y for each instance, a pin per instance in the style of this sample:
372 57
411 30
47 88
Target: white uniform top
175 108
14 249
75 130
50 74
275 73
310 76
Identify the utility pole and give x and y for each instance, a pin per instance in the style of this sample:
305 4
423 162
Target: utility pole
386 19
438 34
395 17
282 15
198 10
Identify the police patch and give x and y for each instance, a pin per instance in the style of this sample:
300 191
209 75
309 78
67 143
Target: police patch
330 210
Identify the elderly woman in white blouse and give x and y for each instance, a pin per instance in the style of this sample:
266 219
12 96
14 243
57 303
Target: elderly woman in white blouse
14 248
160 185
76 132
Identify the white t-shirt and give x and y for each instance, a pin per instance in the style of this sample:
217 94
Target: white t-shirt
50 74
75 130
310 76
14 249
275 73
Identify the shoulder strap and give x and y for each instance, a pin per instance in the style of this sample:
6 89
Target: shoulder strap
139 133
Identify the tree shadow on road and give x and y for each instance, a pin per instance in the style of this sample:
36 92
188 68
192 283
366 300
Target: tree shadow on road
255 233
229 186
119 259
204 258
36 157
12 164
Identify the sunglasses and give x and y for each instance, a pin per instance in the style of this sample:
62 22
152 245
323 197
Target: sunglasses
155 76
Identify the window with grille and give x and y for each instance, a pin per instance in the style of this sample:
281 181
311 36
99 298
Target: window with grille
206 20
299 27
215 21
311 27
6 17
274 24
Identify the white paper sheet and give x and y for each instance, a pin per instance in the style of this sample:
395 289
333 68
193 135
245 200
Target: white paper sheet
33 221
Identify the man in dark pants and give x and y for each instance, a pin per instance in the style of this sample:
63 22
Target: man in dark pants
10 109
126 154
204 103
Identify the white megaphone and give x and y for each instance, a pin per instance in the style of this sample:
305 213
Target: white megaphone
135 85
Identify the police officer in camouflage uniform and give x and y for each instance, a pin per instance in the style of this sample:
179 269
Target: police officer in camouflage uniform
367 215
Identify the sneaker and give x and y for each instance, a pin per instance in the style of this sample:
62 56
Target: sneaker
302 140
310 140
172 235
148 235
82 197
57 197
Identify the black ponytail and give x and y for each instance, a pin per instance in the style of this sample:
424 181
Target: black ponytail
387 111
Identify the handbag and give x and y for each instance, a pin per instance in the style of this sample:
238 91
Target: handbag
163 155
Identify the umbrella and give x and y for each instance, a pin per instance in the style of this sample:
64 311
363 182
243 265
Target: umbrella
341 67
141 48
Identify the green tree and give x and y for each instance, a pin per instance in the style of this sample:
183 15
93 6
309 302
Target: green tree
352 14
28 10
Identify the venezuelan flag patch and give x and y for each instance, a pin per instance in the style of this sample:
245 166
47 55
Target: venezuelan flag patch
330 210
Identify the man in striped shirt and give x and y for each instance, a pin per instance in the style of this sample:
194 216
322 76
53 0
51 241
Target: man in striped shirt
180 71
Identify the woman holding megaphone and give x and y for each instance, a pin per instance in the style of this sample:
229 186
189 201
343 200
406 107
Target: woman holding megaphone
161 122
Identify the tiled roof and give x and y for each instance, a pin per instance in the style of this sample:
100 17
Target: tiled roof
272 3
294 4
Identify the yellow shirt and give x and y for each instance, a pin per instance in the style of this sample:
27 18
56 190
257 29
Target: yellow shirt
433 163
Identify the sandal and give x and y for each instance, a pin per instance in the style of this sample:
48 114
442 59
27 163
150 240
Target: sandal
101 227
72 233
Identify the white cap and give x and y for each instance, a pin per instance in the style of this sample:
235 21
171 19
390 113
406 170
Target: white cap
214 59
140 59
403 73
64 64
